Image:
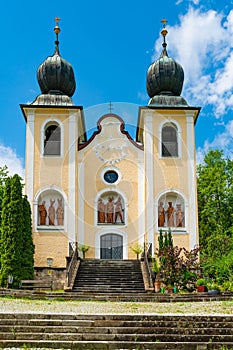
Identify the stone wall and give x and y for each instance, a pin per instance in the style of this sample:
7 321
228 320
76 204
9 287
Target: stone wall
57 275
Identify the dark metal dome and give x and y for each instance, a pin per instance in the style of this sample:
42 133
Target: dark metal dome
56 76
165 76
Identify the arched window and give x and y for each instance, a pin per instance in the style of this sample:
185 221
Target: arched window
52 140
169 141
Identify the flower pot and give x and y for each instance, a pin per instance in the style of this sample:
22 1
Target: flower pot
201 289
157 286
213 292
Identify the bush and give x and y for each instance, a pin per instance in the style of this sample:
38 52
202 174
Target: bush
178 266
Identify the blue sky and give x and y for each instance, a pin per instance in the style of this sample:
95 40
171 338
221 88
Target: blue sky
110 46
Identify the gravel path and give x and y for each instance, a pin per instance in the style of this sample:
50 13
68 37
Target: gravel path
11 305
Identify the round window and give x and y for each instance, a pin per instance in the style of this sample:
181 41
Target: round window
111 176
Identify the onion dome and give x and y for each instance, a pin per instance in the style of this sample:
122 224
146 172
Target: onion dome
56 77
165 78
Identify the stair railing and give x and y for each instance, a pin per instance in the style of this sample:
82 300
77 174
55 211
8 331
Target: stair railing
147 256
73 265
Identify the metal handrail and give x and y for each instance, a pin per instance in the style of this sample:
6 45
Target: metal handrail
147 255
72 264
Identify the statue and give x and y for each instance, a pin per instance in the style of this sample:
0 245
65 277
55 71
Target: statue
60 212
161 215
170 215
118 210
110 210
179 216
43 213
101 211
51 212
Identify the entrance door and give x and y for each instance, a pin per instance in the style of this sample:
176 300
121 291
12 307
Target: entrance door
111 247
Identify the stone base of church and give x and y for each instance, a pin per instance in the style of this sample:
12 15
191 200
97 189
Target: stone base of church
57 275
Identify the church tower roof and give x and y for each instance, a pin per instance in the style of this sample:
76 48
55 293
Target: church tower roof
56 78
165 78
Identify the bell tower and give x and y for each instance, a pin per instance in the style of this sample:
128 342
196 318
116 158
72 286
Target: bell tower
54 126
166 129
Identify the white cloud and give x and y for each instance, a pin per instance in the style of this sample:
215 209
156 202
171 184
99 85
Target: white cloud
9 157
203 44
222 141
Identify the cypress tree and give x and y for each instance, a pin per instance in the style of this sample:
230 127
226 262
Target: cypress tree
3 178
27 268
12 232
169 238
160 239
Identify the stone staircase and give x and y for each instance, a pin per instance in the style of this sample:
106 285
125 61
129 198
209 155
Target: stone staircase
109 277
59 331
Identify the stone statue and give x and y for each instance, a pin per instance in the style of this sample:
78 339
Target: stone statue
60 212
101 211
51 212
161 215
119 210
43 213
179 216
170 215
110 210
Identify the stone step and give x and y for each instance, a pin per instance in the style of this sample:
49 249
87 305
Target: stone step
109 276
114 329
183 320
152 337
107 345
102 289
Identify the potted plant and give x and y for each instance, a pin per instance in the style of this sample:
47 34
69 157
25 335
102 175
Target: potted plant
156 269
213 288
83 248
169 288
201 285
137 249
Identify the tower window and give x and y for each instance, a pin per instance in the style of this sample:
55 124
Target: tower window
169 141
52 140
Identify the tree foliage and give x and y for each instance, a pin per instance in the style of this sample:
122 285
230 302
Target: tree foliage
178 266
3 177
215 212
16 234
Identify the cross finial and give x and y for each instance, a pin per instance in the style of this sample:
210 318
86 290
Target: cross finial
164 21
110 107
57 31
57 19
164 33
164 30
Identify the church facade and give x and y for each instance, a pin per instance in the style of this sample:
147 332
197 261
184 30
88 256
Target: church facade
109 192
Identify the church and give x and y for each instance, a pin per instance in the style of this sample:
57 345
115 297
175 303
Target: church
110 191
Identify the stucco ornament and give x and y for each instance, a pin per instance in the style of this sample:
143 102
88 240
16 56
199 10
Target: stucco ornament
111 151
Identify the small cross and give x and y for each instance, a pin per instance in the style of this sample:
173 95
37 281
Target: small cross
164 22
57 19
110 107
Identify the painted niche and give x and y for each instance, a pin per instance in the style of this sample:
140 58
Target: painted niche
50 209
110 209
171 211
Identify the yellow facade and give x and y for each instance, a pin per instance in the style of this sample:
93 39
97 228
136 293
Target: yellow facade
78 179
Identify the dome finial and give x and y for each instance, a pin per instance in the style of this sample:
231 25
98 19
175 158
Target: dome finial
164 33
57 31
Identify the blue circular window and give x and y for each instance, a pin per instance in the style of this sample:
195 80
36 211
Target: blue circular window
111 176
